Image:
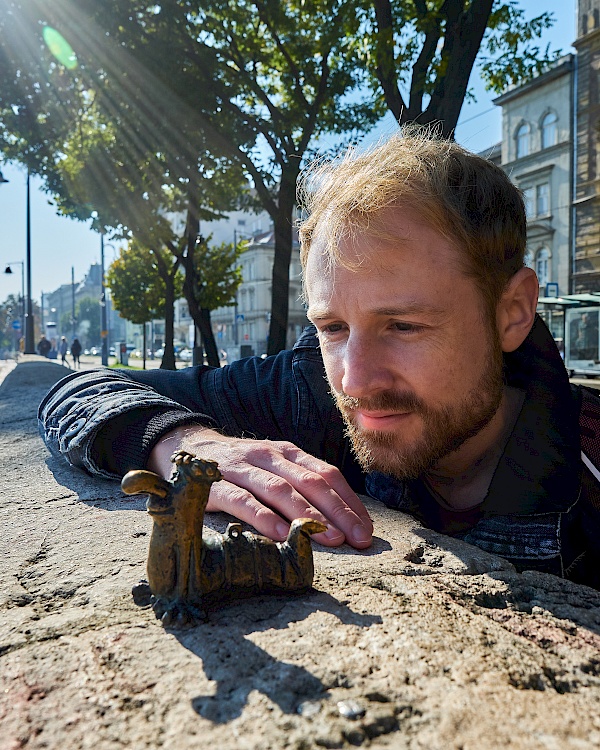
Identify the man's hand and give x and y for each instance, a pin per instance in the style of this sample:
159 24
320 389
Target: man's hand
267 483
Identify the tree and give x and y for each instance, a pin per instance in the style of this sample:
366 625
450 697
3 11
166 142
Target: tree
144 284
87 314
211 280
10 310
429 49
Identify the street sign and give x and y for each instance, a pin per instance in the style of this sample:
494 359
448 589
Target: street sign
551 289
16 324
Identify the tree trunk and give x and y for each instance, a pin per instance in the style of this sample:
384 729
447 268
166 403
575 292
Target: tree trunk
200 315
168 360
168 276
281 262
208 341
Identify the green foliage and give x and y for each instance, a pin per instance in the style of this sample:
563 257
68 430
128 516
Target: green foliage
136 286
11 309
217 273
511 53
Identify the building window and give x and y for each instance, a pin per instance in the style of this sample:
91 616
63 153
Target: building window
528 259
543 199
542 266
523 133
549 130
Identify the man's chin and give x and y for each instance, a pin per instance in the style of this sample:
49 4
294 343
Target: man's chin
381 451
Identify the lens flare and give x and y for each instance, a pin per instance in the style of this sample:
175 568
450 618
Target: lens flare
60 48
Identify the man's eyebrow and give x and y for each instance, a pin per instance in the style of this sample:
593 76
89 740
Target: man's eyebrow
315 313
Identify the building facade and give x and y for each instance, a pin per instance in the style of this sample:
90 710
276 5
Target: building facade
586 266
537 126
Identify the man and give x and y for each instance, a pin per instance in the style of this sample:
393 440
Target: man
44 346
63 349
452 400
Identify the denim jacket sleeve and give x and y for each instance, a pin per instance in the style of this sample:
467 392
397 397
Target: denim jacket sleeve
106 421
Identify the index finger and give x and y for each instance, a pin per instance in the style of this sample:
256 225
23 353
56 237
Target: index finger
334 478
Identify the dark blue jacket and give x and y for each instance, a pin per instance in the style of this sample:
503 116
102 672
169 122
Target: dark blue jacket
542 510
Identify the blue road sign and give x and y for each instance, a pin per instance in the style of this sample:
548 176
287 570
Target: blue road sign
16 324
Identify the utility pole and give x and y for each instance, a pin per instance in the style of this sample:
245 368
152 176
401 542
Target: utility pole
103 326
73 300
29 336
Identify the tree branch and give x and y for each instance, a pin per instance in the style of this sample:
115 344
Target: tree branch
385 58
283 50
462 40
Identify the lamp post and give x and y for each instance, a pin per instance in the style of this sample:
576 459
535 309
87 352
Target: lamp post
103 310
28 315
8 269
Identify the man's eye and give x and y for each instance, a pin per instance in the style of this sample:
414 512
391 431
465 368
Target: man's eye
331 329
406 327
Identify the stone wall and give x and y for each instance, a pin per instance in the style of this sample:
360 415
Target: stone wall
421 642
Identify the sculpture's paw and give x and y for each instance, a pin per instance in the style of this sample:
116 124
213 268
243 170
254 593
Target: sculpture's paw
177 614
142 595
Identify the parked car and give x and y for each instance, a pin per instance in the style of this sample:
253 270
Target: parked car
185 355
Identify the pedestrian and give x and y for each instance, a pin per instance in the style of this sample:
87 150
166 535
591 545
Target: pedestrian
75 353
63 348
44 346
426 380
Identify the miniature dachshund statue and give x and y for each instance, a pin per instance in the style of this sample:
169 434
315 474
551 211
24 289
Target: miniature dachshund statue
184 567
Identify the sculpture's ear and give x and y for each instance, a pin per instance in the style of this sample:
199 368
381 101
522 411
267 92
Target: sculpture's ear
135 482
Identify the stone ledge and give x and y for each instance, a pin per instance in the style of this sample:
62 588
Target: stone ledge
420 642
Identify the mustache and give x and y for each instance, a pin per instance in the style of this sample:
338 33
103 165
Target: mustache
386 401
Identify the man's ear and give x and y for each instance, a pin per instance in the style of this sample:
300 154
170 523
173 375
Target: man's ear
516 309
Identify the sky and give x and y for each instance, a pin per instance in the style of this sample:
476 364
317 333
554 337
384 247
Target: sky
59 244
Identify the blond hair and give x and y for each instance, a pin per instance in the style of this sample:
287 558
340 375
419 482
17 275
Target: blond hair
466 198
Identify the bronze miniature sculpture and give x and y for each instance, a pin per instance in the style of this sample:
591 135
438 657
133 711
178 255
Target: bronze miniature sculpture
183 567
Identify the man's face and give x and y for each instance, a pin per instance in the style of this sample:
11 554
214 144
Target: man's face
413 364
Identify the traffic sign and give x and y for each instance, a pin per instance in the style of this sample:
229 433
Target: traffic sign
16 324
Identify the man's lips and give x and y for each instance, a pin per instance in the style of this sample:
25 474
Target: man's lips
379 420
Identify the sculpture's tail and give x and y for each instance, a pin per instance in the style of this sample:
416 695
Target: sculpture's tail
308 525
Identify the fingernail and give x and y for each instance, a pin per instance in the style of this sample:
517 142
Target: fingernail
282 529
332 534
360 534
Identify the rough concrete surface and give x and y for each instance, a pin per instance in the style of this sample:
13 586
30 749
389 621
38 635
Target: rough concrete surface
419 642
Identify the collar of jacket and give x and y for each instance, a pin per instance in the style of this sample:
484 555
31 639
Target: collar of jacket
539 471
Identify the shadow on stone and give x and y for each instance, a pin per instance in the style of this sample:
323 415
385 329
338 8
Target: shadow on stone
574 609
238 666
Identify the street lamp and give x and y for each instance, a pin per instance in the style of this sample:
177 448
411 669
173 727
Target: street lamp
103 310
29 337
8 269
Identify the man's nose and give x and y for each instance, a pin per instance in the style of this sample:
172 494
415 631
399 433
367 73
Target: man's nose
366 369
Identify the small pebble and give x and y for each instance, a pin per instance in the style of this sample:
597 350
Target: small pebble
351 709
309 708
